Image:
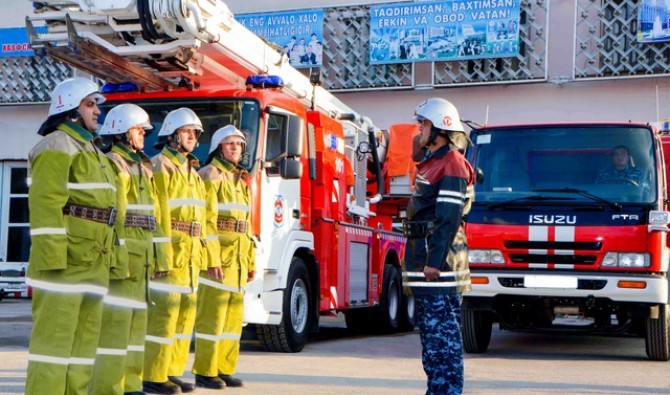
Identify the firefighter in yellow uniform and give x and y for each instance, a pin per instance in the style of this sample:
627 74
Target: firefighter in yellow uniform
221 294
120 359
182 200
72 202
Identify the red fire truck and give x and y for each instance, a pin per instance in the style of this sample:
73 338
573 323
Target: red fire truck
323 214
568 232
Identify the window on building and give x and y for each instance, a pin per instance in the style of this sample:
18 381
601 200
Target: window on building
15 227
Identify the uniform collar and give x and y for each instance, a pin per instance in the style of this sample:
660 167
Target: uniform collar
76 132
179 158
128 154
440 152
224 165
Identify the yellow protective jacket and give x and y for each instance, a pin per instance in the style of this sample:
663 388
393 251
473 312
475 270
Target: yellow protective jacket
67 168
182 198
226 182
136 194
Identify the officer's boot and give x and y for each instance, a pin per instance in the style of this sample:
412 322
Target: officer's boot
185 387
168 387
209 382
231 381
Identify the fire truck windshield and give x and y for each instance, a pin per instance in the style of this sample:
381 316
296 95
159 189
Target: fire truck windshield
214 114
601 163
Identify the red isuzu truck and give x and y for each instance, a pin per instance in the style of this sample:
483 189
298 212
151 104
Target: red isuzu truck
569 232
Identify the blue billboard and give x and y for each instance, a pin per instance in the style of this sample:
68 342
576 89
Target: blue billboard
14 41
444 30
300 33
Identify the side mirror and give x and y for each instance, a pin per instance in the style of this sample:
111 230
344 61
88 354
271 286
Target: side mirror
479 175
290 168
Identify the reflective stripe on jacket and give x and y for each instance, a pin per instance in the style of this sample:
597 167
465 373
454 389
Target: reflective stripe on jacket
137 195
226 182
443 195
66 168
181 197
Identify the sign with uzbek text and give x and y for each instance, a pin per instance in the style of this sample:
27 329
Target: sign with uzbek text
300 33
444 30
14 41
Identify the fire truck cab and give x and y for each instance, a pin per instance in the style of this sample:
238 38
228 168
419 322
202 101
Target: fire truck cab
569 233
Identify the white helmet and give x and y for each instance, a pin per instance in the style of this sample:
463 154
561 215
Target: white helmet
178 119
68 95
441 113
123 117
224 133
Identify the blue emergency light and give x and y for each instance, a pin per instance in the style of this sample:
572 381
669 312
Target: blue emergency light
118 88
265 81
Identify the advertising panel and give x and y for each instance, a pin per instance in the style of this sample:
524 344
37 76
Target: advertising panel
444 30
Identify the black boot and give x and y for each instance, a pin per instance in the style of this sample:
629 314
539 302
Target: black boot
230 380
185 387
209 382
167 387
134 393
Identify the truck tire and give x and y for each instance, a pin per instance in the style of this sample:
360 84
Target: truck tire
390 300
476 330
657 339
407 313
291 334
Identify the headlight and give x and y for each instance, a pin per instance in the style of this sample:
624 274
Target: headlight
485 256
659 217
626 259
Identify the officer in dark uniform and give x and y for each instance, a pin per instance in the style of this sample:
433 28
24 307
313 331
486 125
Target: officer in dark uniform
435 269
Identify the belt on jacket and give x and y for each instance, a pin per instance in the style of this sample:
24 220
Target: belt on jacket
232 225
141 221
191 228
95 214
417 229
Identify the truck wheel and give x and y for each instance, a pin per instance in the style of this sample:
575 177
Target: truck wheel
476 330
407 313
291 334
658 335
390 300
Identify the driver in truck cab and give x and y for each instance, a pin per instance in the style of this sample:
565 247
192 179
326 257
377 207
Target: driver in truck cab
622 171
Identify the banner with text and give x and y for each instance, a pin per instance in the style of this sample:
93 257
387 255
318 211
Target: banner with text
14 41
444 30
300 33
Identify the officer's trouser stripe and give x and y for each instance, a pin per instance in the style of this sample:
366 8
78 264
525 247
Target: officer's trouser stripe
66 288
159 340
111 351
183 336
215 338
162 287
136 348
214 284
60 360
123 302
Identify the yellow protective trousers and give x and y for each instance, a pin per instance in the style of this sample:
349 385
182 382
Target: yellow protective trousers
118 364
169 329
63 342
218 328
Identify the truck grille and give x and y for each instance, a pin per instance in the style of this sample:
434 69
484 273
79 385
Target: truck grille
553 245
559 259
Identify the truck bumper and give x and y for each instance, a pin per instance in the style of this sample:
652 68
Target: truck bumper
571 285
263 308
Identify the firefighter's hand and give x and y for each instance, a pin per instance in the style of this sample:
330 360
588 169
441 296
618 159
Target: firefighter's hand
251 276
431 273
215 273
160 275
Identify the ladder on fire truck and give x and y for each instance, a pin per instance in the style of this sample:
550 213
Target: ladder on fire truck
168 44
